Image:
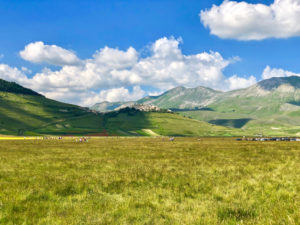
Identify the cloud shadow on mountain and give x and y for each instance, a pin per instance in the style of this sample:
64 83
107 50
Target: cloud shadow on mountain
297 103
235 123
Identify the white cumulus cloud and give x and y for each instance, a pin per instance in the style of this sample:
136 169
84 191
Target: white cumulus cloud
12 74
38 52
275 72
245 21
115 95
235 82
112 74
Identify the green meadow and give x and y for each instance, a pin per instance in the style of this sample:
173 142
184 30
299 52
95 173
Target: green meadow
149 181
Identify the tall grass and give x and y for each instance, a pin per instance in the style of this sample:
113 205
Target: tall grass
149 181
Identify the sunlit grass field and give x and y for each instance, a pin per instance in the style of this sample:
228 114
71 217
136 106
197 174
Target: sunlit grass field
149 181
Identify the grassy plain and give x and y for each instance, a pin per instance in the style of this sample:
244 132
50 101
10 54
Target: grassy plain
149 181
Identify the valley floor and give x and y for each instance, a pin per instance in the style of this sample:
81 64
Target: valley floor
149 181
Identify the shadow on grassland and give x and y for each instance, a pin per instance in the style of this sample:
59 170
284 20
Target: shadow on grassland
192 110
126 121
235 123
297 103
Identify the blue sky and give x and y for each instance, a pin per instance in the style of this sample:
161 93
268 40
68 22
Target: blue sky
87 26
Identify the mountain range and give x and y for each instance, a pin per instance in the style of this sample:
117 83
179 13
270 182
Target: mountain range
25 112
271 106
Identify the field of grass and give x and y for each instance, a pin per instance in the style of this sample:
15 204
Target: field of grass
149 181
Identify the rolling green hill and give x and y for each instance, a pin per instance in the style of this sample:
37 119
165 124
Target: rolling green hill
183 98
13 87
176 98
29 115
133 122
33 115
271 106
25 112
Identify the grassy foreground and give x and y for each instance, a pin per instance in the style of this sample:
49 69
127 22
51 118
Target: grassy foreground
149 181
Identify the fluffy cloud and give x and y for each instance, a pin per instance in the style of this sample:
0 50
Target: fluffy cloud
26 70
114 95
38 52
12 74
274 72
236 82
118 75
244 21
89 97
167 67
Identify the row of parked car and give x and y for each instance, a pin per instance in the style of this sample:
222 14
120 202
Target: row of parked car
269 139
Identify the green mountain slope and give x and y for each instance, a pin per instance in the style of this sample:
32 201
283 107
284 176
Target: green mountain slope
13 87
183 98
177 98
271 107
133 122
25 112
